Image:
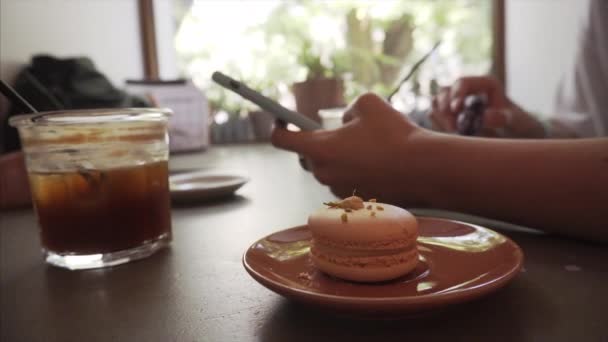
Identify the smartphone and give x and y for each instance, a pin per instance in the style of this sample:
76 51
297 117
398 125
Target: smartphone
303 122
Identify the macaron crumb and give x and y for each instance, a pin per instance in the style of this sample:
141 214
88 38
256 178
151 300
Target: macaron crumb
344 218
352 203
372 214
369 207
372 200
378 207
304 276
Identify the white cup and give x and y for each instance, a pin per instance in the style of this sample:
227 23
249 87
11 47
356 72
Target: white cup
331 118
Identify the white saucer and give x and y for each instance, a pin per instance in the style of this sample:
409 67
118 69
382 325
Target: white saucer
204 185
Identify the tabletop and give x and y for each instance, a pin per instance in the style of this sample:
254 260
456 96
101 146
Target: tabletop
198 290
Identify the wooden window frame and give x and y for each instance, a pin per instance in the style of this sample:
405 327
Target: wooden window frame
148 39
498 41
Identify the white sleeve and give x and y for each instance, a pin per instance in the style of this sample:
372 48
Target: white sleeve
582 98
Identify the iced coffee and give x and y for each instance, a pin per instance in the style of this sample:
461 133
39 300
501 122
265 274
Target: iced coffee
99 182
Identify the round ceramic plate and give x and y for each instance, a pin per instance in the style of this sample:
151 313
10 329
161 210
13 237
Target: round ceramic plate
458 262
203 186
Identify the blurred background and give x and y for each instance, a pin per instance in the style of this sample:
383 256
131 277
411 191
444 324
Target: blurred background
306 54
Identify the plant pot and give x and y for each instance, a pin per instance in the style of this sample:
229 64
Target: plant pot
320 93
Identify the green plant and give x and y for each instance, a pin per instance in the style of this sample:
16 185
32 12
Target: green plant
372 64
312 61
378 62
351 39
290 22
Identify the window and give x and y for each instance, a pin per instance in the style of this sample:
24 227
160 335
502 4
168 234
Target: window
370 45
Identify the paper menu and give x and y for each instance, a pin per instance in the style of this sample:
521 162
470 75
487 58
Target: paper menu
189 125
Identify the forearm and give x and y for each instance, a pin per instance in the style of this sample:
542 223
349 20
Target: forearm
556 185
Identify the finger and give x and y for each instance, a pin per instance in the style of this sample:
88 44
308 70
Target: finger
318 164
308 143
347 117
443 121
342 191
443 100
280 123
496 119
476 85
444 114
489 133
437 124
324 175
305 163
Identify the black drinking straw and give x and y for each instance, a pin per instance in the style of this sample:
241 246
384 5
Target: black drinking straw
16 99
412 71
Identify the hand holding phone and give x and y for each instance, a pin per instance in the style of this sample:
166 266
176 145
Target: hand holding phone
303 122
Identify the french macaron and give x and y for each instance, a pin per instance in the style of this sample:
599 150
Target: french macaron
363 241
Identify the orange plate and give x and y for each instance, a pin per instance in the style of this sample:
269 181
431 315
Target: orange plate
458 262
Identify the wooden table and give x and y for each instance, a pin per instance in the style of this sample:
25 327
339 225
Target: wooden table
198 290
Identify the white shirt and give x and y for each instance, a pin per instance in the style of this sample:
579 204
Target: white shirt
582 97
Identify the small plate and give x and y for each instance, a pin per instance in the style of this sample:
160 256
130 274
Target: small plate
458 262
203 186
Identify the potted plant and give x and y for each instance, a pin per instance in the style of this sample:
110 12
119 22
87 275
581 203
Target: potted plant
315 75
323 86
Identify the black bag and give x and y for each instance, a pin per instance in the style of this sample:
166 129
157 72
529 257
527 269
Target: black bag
72 83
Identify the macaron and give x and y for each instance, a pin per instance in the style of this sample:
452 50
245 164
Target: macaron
363 241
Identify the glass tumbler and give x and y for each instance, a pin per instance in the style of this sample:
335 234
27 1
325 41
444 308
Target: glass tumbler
99 182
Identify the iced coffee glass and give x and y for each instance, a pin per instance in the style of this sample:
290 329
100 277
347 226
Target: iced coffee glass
99 181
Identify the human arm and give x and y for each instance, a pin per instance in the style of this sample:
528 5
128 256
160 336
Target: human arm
14 186
559 186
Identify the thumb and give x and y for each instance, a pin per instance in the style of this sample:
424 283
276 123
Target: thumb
368 106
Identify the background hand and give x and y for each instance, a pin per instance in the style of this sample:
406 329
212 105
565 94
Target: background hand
501 118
